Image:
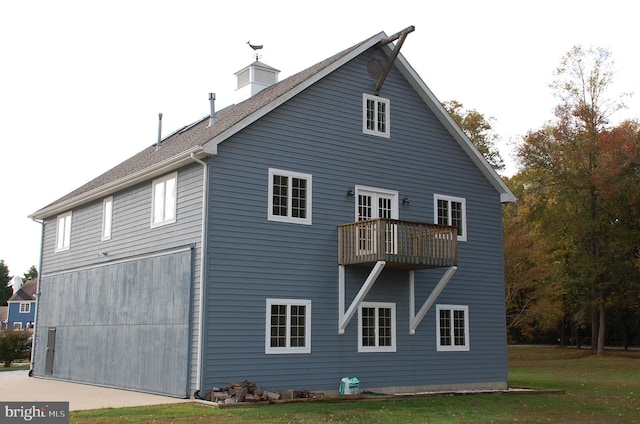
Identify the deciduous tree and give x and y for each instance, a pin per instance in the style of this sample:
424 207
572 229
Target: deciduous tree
31 274
479 130
562 163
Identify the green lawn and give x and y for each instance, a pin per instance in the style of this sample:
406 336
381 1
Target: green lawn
15 366
594 389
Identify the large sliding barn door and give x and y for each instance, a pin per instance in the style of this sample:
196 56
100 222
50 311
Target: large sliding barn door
124 324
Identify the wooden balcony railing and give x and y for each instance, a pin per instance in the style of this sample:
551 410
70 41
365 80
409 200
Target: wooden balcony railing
402 244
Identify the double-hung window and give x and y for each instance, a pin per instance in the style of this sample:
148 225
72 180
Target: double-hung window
377 327
452 327
375 115
452 211
289 197
164 195
25 307
63 233
288 328
107 216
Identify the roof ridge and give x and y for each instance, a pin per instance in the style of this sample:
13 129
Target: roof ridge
195 134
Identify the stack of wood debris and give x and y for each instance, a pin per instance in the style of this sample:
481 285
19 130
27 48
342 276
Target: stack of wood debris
249 392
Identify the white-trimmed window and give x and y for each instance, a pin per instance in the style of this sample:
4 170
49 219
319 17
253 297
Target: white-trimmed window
288 328
163 209
452 327
452 211
25 307
63 232
289 197
107 217
377 327
17 326
375 115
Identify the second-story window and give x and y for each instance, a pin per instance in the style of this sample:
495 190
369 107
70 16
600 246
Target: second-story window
164 200
107 216
289 197
451 211
63 233
375 115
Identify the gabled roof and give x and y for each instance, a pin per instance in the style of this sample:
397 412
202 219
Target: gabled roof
25 293
199 139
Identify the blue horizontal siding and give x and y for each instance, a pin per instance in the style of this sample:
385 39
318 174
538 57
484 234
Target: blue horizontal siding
251 259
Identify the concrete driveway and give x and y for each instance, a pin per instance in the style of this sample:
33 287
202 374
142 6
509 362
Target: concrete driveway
17 386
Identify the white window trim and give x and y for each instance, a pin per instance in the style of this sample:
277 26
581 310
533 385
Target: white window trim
288 218
376 348
107 218
377 99
63 243
463 201
17 326
25 307
453 348
288 350
163 180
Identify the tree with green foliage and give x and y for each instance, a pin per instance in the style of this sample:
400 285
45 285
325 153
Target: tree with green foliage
562 164
479 130
5 278
14 345
31 274
526 269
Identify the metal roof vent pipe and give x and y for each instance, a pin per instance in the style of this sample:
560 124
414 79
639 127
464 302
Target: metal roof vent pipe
212 115
159 143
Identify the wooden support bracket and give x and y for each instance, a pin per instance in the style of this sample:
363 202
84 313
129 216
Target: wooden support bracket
344 318
400 36
414 318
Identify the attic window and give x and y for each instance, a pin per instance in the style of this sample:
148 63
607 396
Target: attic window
375 115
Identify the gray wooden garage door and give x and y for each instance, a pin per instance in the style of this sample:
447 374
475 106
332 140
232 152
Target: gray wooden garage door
123 325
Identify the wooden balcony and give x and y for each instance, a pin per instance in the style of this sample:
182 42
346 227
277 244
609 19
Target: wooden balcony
401 244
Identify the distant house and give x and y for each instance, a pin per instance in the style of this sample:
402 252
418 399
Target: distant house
22 305
336 223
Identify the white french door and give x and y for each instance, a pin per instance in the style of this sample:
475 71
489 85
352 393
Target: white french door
376 203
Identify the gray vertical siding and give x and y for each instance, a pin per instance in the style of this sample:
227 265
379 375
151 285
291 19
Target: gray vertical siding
250 258
124 324
132 237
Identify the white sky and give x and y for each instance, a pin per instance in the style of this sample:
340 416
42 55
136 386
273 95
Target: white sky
82 82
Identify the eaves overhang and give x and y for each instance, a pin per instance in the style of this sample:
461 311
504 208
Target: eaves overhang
152 171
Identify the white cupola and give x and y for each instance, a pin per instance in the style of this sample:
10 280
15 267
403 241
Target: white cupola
253 79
